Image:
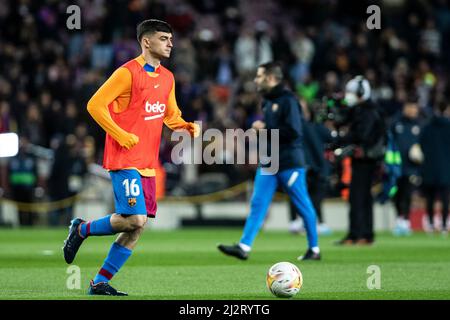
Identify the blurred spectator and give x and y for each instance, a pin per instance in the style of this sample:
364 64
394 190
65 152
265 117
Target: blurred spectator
58 186
70 118
181 18
430 41
231 21
405 133
7 121
185 57
435 144
23 180
224 67
263 51
308 89
66 177
77 169
281 46
303 49
330 84
205 46
32 126
252 49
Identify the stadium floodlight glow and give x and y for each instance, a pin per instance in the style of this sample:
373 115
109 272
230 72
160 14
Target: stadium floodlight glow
9 144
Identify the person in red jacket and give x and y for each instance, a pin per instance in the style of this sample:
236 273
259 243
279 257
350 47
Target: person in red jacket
131 106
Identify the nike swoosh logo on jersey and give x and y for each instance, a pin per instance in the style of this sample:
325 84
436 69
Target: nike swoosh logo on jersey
156 86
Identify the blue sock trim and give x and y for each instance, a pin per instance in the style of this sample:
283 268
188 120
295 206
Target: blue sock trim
116 258
83 230
99 278
101 227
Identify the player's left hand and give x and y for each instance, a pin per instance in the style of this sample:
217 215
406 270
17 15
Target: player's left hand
193 128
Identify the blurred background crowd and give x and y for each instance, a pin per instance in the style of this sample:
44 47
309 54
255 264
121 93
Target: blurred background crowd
48 73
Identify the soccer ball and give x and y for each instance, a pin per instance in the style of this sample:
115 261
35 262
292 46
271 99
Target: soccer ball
284 279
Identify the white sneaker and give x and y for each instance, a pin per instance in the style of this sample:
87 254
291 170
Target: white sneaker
426 225
407 227
398 229
438 223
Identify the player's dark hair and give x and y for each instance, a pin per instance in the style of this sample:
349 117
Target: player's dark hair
151 26
273 68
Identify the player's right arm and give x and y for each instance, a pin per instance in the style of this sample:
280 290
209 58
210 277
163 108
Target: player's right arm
118 84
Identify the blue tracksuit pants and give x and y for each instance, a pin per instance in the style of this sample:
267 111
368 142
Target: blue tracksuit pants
294 183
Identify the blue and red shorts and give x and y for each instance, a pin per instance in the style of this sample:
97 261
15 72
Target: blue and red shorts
133 193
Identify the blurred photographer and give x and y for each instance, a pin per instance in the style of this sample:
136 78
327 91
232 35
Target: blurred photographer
364 141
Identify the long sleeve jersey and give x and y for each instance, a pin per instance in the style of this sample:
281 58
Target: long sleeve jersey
136 99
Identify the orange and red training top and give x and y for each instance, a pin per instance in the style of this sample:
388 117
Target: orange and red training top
136 99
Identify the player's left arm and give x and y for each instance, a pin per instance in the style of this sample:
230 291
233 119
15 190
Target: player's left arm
173 118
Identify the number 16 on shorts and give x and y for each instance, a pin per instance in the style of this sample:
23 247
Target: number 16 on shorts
131 189
128 196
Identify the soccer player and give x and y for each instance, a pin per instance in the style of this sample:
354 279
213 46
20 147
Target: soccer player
281 111
131 106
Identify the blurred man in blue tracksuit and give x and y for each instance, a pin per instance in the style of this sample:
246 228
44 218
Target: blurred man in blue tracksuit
435 143
281 112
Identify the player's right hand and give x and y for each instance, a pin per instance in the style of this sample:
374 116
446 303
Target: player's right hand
193 128
129 141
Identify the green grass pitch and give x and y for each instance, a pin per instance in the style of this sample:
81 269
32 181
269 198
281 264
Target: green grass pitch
185 264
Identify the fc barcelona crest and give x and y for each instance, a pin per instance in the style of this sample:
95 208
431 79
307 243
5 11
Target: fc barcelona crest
131 202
